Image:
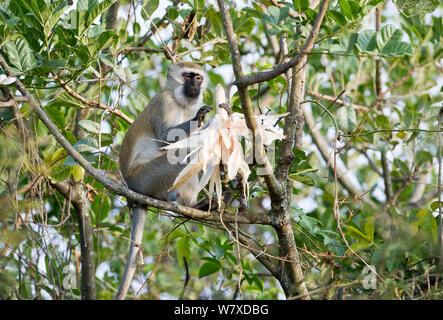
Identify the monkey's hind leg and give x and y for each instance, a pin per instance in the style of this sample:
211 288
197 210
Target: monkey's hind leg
155 178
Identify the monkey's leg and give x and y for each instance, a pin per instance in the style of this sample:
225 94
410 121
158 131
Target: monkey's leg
155 178
138 224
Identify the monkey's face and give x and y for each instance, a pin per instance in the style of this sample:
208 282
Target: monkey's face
192 85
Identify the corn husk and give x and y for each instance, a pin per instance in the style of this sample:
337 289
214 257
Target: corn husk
219 143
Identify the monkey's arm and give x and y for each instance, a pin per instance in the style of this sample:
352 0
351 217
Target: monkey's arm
182 130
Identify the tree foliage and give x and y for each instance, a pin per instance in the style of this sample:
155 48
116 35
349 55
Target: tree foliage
362 183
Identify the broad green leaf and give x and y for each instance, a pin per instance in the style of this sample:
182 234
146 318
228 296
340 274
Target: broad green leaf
60 172
243 24
357 234
101 206
64 99
50 66
94 12
276 15
255 279
183 249
7 34
361 246
208 268
402 166
56 115
78 173
90 126
86 4
434 205
149 8
20 55
366 41
348 41
416 7
389 42
55 12
337 17
426 223
300 5
369 228
307 180
344 6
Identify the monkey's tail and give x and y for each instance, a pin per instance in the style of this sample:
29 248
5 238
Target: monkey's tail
138 224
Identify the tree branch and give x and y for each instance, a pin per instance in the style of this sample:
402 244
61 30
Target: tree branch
378 90
281 68
321 96
245 101
77 194
90 103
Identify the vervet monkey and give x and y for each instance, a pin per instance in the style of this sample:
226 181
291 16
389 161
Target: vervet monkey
145 167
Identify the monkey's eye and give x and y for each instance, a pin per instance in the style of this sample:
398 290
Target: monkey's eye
198 78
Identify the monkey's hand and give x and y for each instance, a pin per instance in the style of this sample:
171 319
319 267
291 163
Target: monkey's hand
201 114
226 107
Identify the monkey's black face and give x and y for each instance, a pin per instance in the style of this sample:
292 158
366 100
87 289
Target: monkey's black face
192 84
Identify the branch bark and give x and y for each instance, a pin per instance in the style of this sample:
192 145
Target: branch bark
378 90
281 68
245 101
292 281
77 193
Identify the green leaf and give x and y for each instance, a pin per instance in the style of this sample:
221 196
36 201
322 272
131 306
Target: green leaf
307 180
20 55
337 17
90 126
348 41
425 221
65 100
183 249
344 6
366 41
369 228
94 12
86 4
416 7
357 234
389 42
300 5
173 12
243 24
361 246
149 8
56 115
208 268
55 12
101 206
276 15
434 205
78 173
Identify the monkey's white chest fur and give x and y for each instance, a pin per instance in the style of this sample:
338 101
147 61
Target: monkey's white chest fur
145 149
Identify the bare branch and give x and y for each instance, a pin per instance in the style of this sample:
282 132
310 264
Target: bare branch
321 96
90 103
281 68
